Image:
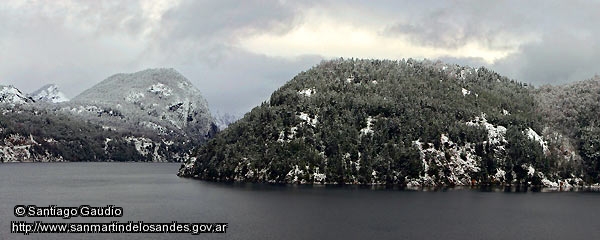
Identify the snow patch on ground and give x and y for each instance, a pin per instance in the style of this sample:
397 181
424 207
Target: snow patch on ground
465 72
465 92
419 145
106 141
293 131
106 128
190 163
455 162
160 89
292 134
303 175
88 108
531 134
294 174
353 164
350 79
495 134
548 183
463 160
500 175
530 169
423 180
307 119
18 148
281 138
560 184
463 76
369 128
319 177
307 92
151 125
142 145
134 97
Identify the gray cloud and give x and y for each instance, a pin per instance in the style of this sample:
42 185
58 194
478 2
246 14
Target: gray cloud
564 47
199 38
567 49
449 24
560 57
205 30
71 44
243 80
76 44
205 19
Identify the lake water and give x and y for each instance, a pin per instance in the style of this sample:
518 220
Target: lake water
151 192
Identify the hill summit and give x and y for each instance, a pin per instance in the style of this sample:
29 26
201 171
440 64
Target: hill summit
158 99
413 123
11 95
49 93
152 115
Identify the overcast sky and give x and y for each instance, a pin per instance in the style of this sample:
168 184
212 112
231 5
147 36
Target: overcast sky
238 52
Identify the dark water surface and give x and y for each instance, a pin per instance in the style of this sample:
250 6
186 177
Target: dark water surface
151 192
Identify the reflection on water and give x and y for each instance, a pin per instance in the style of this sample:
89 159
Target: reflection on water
483 188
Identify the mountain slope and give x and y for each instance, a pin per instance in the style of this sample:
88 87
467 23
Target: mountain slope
573 110
12 95
49 93
394 122
223 120
160 100
152 115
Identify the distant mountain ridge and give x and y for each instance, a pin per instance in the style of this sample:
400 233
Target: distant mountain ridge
223 120
11 95
150 115
49 93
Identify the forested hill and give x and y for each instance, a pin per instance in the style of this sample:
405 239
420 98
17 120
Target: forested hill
573 110
416 123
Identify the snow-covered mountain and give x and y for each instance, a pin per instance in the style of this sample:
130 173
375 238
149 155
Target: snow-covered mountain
152 115
222 120
160 100
11 95
49 93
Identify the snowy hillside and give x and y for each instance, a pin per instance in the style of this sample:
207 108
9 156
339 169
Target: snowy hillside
153 115
12 95
49 93
159 100
413 123
223 120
